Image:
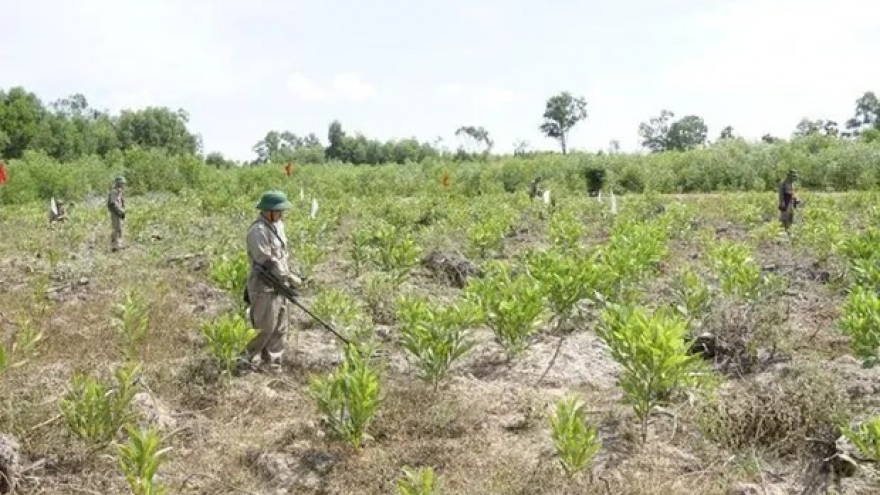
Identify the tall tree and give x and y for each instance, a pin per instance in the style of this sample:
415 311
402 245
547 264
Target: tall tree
867 115
561 114
655 132
157 127
473 138
807 127
686 133
659 134
21 115
726 133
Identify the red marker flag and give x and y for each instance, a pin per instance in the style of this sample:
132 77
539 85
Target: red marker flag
3 176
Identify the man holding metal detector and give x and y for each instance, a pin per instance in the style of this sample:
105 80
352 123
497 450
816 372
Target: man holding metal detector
270 283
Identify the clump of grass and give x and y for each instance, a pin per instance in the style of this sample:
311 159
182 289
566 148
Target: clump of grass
776 416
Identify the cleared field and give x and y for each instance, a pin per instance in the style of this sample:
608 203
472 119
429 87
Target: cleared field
467 302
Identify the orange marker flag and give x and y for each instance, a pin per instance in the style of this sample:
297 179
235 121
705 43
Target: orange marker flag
445 181
288 169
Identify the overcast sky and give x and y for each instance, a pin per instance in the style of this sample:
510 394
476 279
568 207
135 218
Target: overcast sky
401 68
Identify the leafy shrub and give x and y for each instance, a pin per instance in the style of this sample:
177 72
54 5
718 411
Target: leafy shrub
230 273
419 481
227 338
94 411
511 305
653 349
860 321
574 438
132 320
866 438
435 335
565 278
349 397
140 458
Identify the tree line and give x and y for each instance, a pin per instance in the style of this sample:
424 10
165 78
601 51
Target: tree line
69 129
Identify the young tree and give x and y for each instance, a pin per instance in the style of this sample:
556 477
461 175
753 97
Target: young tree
655 132
562 113
660 135
474 138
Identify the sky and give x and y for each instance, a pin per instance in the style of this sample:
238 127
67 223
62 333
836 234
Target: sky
394 69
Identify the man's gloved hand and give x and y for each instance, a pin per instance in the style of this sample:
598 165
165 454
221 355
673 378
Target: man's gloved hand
292 281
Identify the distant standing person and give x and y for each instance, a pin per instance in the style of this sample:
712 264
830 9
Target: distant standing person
116 205
787 199
535 187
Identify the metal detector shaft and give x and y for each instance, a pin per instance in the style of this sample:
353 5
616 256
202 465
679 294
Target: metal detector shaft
291 296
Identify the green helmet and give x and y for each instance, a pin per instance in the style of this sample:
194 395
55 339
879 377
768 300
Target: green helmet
793 173
274 201
119 180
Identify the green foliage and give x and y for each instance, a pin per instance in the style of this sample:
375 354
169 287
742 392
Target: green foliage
693 296
140 458
132 320
511 305
420 481
344 312
26 339
573 436
860 321
435 335
863 258
737 271
349 397
230 273
653 350
866 438
227 339
565 278
94 411
562 113
393 250
634 250
486 233
566 230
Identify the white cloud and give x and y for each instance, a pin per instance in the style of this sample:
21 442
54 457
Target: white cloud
305 88
768 63
352 87
451 90
348 86
498 96
486 96
479 12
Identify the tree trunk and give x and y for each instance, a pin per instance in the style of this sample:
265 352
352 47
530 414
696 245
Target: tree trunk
562 142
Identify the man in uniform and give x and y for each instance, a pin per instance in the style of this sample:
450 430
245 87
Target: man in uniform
116 205
535 188
787 199
267 246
